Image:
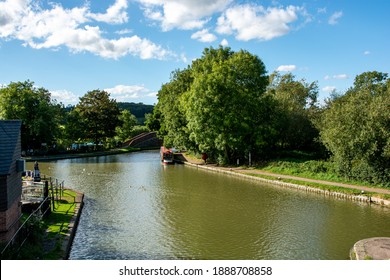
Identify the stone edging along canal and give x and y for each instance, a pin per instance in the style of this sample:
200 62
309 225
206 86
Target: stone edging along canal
360 198
68 240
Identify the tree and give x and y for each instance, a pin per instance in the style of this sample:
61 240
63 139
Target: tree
100 115
296 106
356 129
74 127
225 109
128 122
39 114
171 113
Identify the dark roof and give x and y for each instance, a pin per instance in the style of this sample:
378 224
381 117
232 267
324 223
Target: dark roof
9 134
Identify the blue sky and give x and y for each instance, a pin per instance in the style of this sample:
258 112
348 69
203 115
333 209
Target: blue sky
130 47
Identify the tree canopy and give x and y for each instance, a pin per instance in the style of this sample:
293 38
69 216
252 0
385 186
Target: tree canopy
40 115
356 129
100 115
217 105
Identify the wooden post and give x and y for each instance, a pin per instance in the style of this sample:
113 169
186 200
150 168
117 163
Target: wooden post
52 194
47 210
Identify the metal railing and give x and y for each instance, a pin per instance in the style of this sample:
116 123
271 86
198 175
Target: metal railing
45 193
12 248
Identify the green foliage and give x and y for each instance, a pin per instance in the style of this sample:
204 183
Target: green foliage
221 105
139 110
100 115
128 122
296 107
39 114
224 106
173 122
356 129
73 128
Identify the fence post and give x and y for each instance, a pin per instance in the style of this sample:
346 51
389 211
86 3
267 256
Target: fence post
46 205
52 194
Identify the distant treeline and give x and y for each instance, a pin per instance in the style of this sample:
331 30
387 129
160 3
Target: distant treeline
137 109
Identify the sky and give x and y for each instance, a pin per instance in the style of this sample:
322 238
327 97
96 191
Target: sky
129 48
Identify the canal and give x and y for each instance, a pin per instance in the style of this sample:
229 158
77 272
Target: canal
136 208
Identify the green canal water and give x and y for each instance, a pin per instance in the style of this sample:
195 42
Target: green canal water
136 208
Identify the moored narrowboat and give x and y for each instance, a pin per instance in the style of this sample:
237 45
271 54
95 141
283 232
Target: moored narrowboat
166 155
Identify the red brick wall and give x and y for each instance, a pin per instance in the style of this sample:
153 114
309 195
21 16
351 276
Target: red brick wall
9 221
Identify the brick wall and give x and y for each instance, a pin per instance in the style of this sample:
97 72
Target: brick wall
9 221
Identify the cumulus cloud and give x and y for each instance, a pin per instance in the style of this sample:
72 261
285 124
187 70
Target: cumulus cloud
74 28
224 43
334 18
182 14
204 36
251 21
115 14
124 93
64 96
337 77
341 77
329 89
367 53
286 68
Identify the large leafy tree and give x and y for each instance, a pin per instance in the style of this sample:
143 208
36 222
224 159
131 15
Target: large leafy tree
39 114
100 115
356 129
296 105
225 109
171 113
74 127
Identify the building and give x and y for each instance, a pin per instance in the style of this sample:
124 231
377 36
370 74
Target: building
11 168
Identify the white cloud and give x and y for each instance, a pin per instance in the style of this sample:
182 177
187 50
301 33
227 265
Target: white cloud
224 43
335 17
64 96
329 89
182 14
251 21
204 36
124 31
341 77
56 27
321 10
114 14
367 53
337 77
123 93
286 68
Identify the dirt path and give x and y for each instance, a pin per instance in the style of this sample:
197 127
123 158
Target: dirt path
281 176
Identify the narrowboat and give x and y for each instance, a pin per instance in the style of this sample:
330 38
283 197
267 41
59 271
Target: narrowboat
166 155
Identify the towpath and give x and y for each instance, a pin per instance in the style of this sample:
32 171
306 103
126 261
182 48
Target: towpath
281 176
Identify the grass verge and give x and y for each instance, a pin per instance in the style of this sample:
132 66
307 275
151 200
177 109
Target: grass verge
45 241
322 186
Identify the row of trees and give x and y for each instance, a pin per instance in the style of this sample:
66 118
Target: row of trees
49 125
225 104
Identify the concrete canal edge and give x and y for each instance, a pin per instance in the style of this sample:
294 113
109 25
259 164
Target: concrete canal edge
68 240
377 248
360 198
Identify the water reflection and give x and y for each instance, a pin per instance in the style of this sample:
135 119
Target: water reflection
136 208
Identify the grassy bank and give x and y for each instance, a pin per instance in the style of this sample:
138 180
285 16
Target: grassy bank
312 169
336 189
48 234
305 167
